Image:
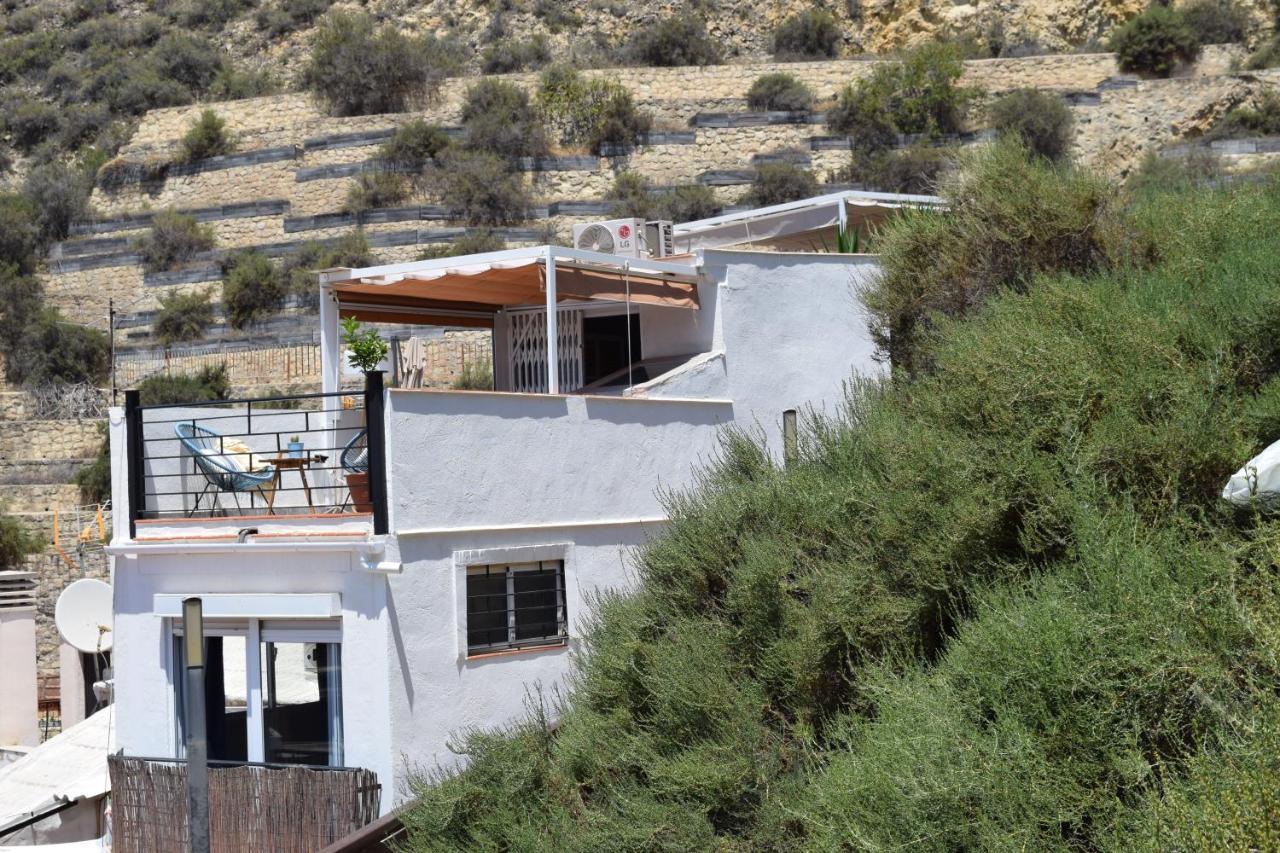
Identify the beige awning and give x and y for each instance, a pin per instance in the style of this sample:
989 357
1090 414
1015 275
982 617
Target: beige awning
468 294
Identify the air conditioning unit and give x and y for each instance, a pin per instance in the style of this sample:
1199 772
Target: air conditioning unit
660 238
632 238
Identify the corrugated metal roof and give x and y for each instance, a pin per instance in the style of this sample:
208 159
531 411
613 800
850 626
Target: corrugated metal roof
70 766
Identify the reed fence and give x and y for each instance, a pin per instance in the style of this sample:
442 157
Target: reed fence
284 809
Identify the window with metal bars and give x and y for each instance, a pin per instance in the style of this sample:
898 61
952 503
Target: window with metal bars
515 606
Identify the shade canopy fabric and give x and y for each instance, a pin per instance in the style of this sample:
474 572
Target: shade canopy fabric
807 225
469 293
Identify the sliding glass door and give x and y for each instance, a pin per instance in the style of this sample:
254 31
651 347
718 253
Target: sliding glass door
272 691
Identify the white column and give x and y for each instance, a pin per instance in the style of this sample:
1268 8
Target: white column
19 724
842 216
330 344
256 745
553 357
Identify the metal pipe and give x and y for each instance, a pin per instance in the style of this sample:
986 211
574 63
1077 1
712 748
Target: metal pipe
790 442
196 741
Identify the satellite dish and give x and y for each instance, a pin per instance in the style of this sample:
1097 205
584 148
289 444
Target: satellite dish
83 615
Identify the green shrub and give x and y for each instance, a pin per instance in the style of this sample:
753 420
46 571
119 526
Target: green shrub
30 121
94 479
1011 217
633 197
231 84
475 376
909 170
916 95
482 188
183 317
1155 42
508 54
779 91
997 607
206 137
688 202
208 383
598 113
499 119
298 270
556 16
187 59
678 40
474 242
253 290
1200 169
277 19
206 14
59 193
357 69
16 542
414 146
1267 55
40 347
90 124
19 234
776 183
374 189
1039 119
1216 21
1225 801
174 239
1260 119
811 34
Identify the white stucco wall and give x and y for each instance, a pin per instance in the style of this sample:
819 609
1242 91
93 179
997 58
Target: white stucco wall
142 654
467 459
793 330
18 715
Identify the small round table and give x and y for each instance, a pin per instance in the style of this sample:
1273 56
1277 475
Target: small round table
288 463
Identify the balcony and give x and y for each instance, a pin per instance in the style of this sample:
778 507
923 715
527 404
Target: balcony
305 456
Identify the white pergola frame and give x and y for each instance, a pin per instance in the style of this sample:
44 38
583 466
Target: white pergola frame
552 257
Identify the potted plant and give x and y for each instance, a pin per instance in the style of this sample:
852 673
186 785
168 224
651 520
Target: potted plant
365 351
365 348
295 447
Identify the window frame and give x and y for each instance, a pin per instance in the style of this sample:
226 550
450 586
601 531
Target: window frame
512 555
257 634
509 572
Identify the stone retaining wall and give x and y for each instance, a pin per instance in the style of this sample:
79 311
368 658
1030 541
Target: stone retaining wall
292 119
43 441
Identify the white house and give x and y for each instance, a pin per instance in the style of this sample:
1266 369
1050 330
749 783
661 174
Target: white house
362 624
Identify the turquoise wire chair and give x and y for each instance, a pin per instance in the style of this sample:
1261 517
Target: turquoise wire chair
220 474
355 456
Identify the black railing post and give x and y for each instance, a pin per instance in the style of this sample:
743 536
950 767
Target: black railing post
136 486
374 423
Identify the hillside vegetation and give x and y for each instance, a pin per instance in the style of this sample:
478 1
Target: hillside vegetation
997 604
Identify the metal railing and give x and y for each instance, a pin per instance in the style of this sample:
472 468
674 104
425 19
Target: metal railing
302 454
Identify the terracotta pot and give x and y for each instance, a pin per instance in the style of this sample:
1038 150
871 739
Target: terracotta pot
358 484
